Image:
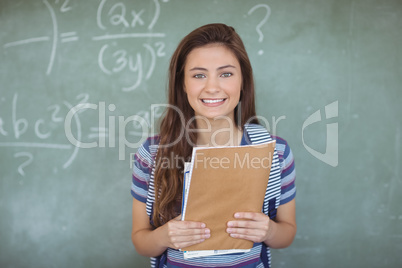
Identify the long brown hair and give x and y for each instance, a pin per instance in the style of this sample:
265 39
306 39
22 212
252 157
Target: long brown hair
175 146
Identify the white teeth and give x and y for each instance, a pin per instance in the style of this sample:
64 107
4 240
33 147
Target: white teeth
212 101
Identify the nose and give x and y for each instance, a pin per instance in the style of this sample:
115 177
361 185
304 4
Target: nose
212 85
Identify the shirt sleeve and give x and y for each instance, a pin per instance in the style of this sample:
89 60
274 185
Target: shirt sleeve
288 172
142 167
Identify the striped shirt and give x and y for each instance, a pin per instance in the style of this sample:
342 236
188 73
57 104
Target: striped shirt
280 190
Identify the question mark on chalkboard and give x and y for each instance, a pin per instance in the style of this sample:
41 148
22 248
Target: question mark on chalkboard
26 163
262 22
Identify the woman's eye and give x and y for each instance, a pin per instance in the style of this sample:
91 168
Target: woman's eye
226 74
199 76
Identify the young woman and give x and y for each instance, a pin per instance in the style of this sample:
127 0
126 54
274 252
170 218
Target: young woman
211 97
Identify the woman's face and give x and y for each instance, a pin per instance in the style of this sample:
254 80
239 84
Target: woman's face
212 81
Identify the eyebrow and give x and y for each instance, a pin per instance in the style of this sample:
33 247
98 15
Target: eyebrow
219 68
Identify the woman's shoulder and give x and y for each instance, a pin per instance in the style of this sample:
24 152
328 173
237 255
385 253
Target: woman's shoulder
152 141
257 132
260 130
149 147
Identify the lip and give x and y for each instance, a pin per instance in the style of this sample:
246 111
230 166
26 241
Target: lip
213 102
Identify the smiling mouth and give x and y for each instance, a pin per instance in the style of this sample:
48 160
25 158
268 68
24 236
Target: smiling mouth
212 101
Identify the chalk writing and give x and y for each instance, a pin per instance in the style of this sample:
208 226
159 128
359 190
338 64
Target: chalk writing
20 131
111 59
117 15
69 37
120 60
24 164
261 23
65 37
16 130
64 7
149 117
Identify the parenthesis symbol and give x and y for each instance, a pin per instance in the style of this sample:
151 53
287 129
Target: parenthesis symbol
153 56
100 60
76 148
99 15
55 36
157 12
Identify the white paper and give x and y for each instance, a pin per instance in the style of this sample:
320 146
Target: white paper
204 253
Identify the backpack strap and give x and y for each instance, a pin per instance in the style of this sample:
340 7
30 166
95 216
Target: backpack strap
257 134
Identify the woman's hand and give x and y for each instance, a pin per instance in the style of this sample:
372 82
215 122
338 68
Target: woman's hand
258 227
182 234
174 234
251 226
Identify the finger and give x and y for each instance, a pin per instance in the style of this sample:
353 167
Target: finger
178 224
253 220
181 245
188 232
250 215
246 231
246 224
189 238
182 241
190 225
255 235
252 238
187 224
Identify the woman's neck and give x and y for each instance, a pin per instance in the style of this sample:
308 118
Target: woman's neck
218 132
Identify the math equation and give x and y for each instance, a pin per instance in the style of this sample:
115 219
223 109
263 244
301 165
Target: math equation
115 22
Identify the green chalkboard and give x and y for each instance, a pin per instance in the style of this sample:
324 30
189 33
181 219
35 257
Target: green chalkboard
81 81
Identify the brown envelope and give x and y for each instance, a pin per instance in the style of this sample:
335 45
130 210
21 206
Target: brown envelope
224 181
